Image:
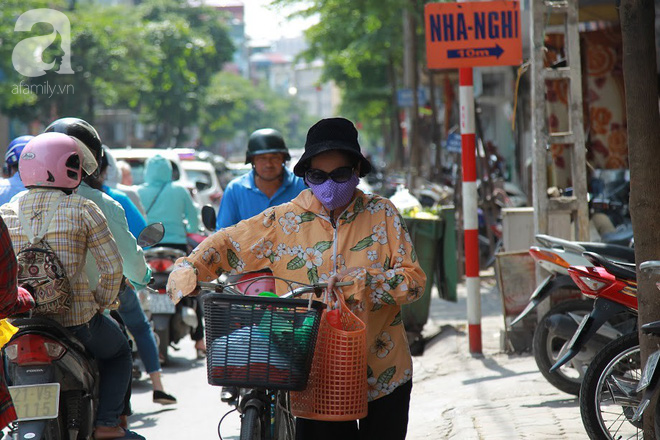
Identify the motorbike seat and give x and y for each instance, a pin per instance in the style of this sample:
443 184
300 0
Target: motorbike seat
652 328
164 252
619 270
48 327
610 251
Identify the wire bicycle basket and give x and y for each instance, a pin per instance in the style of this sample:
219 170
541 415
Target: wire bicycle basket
260 342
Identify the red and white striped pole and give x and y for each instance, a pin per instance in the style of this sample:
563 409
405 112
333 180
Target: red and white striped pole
470 215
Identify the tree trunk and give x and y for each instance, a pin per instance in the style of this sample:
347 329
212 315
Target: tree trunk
397 135
640 78
436 174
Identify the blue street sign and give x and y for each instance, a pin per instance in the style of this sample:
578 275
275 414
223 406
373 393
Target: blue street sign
404 97
453 143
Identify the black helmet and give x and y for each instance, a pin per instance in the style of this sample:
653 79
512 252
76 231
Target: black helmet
264 141
83 131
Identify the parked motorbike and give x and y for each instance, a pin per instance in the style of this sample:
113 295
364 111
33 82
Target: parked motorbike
556 327
611 399
608 397
614 289
52 379
649 383
556 255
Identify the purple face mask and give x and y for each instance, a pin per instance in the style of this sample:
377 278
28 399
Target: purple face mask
334 195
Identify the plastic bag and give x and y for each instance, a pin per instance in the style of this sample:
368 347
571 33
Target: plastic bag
6 332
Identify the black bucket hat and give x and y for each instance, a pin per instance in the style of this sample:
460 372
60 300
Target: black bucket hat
331 134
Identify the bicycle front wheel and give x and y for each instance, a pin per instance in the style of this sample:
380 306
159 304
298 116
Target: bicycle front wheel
285 424
251 428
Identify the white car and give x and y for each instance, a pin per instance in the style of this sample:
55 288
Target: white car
136 158
205 180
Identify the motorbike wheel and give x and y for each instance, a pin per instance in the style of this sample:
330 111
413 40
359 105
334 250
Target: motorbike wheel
547 345
251 428
605 408
163 338
656 421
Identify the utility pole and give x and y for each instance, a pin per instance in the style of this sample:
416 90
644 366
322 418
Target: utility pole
640 79
411 82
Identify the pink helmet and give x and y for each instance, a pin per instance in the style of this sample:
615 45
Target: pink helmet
254 288
52 160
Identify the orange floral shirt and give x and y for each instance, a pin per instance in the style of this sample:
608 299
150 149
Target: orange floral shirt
297 241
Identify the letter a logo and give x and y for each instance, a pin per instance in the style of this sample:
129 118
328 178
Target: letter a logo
28 55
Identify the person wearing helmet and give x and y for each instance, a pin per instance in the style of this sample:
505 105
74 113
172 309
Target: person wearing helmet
84 132
333 231
52 166
13 184
130 309
269 183
135 269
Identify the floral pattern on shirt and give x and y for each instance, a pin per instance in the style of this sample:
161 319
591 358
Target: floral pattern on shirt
298 242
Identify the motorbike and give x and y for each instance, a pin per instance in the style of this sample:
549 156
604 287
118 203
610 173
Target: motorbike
556 327
53 380
649 383
171 322
608 397
616 391
614 289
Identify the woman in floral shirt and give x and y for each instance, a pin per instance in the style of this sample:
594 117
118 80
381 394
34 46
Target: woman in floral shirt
332 231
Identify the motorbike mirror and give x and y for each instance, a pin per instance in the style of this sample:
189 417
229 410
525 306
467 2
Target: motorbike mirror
151 235
201 186
208 217
652 267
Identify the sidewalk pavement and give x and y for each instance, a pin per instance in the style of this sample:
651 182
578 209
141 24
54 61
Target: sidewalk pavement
495 396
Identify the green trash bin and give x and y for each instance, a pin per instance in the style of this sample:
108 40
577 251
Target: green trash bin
446 275
426 236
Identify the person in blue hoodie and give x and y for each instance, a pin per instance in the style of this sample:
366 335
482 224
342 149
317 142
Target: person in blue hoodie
168 202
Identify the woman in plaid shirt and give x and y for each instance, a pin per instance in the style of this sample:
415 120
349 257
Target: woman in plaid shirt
13 300
51 167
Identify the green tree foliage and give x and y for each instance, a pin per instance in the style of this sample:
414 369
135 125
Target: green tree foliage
232 103
192 45
157 58
360 43
12 98
107 58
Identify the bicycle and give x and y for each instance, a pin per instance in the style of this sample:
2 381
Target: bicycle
263 345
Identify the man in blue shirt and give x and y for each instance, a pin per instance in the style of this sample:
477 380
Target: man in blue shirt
269 183
13 184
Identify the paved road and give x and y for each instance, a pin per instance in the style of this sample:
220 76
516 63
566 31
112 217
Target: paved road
199 410
455 396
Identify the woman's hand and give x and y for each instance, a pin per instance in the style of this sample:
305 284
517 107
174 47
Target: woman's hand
338 276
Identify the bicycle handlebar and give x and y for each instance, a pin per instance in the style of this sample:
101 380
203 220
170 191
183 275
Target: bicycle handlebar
311 288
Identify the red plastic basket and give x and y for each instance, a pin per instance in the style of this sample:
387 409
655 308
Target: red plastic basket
337 388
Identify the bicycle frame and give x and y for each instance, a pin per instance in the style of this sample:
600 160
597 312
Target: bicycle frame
273 413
